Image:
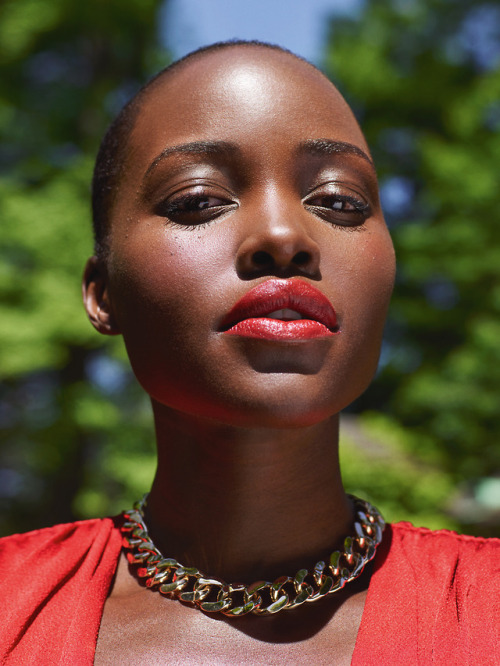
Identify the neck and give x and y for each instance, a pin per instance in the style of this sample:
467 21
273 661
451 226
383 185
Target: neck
244 504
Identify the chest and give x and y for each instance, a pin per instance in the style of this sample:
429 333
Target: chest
145 628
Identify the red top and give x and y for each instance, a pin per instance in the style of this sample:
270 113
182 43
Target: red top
433 597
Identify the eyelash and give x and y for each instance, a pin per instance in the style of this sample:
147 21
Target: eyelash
351 219
359 206
181 210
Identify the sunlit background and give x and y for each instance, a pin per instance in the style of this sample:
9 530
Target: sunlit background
423 77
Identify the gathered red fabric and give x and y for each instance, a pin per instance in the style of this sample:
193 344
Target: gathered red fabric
54 585
433 596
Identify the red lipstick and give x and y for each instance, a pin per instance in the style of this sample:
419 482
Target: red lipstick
284 310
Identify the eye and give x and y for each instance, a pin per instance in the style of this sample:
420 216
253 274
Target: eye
338 204
194 207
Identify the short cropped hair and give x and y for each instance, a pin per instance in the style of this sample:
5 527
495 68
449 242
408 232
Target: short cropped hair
110 159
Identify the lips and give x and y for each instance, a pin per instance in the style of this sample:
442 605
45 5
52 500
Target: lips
282 310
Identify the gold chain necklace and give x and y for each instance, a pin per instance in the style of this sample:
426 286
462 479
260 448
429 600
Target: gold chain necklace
214 595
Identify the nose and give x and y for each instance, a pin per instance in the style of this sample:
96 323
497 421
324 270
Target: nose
279 245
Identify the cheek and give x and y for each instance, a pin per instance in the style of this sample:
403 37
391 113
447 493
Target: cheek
365 288
375 268
378 270
364 270
157 273
165 294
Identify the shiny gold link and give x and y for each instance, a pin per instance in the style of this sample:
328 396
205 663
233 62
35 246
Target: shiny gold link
256 587
252 598
238 611
335 562
224 600
324 587
158 579
279 599
299 579
280 603
302 596
215 606
248 604
173 586
355 560
277 586
359 530
318 570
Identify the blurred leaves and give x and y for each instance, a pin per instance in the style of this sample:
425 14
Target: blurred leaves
74 424
45 236
402 487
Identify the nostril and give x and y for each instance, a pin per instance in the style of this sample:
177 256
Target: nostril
262 258
301 258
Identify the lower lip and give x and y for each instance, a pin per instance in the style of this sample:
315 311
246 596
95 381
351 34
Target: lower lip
275 329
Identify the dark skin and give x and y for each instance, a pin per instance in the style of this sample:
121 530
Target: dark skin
273 180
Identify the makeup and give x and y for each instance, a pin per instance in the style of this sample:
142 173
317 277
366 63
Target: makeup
282 310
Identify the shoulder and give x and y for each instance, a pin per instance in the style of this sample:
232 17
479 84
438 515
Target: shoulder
407 538
460 566
436 593
57 531
60 540
51 579
407 530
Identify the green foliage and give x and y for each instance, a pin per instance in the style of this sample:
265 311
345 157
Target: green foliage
426 89
74 423
402 487
45 239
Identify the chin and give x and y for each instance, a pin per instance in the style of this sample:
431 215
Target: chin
285 390
282 401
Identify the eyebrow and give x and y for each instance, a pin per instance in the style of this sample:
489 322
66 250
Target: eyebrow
328 147
222 148
225 148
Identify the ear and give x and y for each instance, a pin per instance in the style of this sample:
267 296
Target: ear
96 297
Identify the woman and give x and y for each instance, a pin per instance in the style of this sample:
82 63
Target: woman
242 253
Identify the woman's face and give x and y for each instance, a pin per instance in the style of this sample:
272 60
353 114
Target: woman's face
246 171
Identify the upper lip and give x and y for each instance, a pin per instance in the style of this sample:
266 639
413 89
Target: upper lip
272 295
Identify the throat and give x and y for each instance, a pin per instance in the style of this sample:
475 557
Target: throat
246 503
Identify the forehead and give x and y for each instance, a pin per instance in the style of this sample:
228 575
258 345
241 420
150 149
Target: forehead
242 95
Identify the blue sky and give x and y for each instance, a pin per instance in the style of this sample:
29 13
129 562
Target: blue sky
299 25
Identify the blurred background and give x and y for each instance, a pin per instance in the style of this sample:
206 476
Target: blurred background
424 80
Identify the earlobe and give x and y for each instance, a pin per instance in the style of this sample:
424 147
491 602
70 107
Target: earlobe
96 297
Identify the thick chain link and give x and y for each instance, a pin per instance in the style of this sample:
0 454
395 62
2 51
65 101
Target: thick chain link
214 595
